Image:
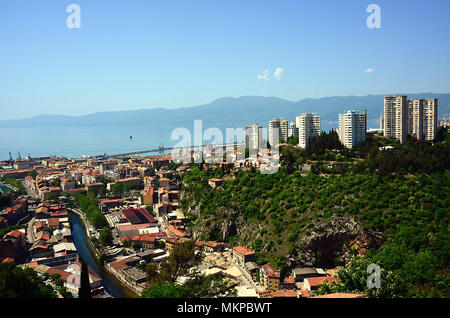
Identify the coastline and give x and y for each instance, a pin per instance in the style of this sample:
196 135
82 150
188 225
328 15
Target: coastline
127 290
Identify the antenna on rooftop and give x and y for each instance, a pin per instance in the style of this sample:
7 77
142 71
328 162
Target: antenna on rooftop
10 157
18 155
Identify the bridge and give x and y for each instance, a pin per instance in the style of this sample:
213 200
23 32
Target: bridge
161 150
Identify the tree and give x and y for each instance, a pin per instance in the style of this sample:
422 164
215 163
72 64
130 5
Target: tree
180 260
16 282
198 287
105 236
165 290
85 287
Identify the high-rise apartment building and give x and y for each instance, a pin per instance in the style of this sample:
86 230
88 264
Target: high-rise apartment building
415 118
352 128
430 115
308 127
253 136
396 117
282 126
292 129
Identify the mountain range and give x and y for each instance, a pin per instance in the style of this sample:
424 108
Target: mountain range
229 112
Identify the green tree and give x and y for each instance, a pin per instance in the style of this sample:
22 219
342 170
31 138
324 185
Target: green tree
16 282
105 236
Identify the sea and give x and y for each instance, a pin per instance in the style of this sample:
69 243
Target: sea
74 142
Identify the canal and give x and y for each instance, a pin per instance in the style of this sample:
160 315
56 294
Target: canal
112 286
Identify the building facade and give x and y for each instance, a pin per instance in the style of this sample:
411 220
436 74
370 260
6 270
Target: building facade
430 115
308 127
415 118
352 128
281 126
396 117
253 136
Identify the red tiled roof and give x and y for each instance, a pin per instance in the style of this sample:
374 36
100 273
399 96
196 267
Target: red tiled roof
137 216
316 281
118 265
8 259
176 232
285 293
244 251
53 222
341 295
15 233
289 280
139 238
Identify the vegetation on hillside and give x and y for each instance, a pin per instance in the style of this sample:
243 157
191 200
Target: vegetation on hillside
163 279
16 282
408 201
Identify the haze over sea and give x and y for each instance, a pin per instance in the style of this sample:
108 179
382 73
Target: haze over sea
78 141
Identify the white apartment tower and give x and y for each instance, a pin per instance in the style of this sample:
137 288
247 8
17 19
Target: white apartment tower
253 136
430 115
396 117
308 127
382 121
352 128
282 126
292 130
415 118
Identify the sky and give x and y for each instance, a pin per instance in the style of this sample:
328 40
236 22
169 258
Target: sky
147 54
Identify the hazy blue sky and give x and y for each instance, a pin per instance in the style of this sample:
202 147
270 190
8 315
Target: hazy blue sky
145 54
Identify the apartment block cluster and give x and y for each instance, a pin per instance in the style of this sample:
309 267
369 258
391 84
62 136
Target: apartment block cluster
401 117
351 131
414 117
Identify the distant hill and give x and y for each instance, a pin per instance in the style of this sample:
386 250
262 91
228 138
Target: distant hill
229 112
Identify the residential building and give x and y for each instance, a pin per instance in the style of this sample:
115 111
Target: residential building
281 126
146 197
430 115
415 118
270 277
312 283
396 117
352 128
308 127
243 255
253 136
300 274
292 129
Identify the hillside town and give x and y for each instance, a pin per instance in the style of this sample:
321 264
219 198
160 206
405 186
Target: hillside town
137 217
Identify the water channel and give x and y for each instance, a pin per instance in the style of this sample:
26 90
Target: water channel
111 284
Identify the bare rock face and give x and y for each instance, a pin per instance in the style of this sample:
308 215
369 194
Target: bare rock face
228 228
333 243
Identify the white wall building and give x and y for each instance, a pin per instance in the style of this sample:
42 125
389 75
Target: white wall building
292 129
352 128
396 117
430 115
253 136
308 127
415 118
282 126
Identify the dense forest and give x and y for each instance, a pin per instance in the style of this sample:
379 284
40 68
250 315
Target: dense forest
402 193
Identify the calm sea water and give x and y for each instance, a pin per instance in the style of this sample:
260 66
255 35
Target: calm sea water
74 142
